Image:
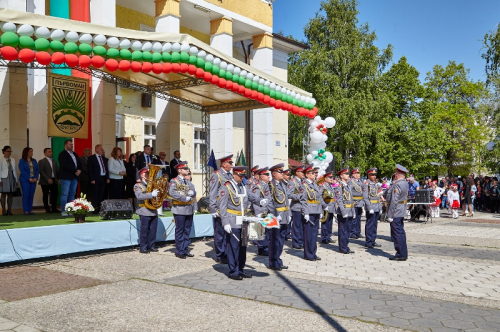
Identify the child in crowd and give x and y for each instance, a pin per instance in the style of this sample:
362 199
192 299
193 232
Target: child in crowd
437 199
454 200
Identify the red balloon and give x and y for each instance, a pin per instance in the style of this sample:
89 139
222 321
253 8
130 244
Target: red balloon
207 77
215 79
84 61
71 60
9 53
167 68
222 83
199 72
272 102
295 110
290 107
184 68
26 55
124 65
136 66
260 96
157 68
254 95
97 61
266 100
192 69
111 64
315 110
279 103
242 90
43 58
147 67
235 87
302 111
311 114
248 93
58 58
229 85
284 106
176 67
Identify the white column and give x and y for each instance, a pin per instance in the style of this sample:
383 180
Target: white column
103 12
14 4
262 119
221 125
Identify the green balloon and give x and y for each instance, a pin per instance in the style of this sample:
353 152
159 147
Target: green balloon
147 56
184 57
215 70
27 42
9 39
236 78
248 84
279 95
301 103
222 73
113 53
200 63
70 48
267 91
193 60
260 88
272 94
255 85
176 57
125 54
208 67
100 50
310 106
306 106
166 57
156 57
284 97
229 76
137 55
84 49
56 46
294 101
42 44
242 80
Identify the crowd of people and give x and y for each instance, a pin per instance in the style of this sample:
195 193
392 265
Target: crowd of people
92 174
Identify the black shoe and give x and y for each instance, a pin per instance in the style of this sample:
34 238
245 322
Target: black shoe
399 259
298 248
144 251
238 277
318 258
310 259
180 256
377 245
245 275
284 267
369 246
325 242
48 211
224 261
189 254
263 253
353 237
10 213
56 211
360 237
275 268
154 250
344 252
350 251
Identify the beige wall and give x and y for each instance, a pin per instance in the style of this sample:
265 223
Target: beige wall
256 10
131 104
280 120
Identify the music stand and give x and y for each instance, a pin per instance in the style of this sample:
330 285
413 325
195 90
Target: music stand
423 198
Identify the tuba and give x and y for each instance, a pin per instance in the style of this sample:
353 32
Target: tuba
160 184
328 196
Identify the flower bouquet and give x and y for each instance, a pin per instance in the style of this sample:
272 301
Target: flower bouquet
79 208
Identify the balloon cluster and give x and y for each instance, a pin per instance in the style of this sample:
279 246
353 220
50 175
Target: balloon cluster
317 133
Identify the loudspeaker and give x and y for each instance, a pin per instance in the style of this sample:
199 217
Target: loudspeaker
424 196
331 166
203 205
146 100
116 209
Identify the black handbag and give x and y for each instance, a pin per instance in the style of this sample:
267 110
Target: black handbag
18 192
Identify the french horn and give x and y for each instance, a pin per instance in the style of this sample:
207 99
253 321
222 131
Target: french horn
160 184
328 196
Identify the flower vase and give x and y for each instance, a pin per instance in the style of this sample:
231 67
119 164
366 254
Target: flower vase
79 218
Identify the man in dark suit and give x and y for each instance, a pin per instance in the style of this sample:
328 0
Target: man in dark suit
69 170
85 187
173 163
48 181
161 161
99 176
144 158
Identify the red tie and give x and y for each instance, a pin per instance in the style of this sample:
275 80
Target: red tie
102 165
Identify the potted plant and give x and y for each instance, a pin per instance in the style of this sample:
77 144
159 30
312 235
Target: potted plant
79 208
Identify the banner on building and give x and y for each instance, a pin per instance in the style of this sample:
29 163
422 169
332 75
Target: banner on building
68 104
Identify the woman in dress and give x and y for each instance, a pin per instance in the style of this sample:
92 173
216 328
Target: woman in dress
454 200
28 178
116 173
8 179
437 192
478 201
467 197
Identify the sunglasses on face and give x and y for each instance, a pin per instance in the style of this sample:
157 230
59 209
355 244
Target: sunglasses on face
183 168
330 177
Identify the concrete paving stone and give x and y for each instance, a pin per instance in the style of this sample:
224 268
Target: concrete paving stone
375 314
361 307
258 292
478 330
383 297
343 291
408 298
417 310
475 294
9 325
430 323
475 311
2 320
347 312
359 297
446 329
234 292
436 316
458 324
455 305
425 304
396 322
468 318
399 303
406 315
367 319
492 326
25 328
449 311
495 318
387 308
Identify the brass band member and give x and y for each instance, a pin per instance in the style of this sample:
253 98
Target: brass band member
279 195
373 208
345 210
357 188
312 213
328 205
149 217
295 190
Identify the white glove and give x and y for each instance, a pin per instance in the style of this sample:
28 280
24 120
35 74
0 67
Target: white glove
371 211
344 216
380 212
263 202
279 218
190 193
187 198
326 210
306 217
154 193
320 215
289 219
389 219
227 228
215 215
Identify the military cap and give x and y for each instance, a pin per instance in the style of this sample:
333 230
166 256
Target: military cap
343 170
182 164
401 169
143 170
355 170
372 170
287 171
240 170
254 169
329 173
263 171
278 167
299 168
310 168
226 158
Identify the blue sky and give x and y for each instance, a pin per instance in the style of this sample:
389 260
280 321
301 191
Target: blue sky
427 32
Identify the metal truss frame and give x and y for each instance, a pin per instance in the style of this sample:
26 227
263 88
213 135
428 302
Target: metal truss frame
180 84
247 104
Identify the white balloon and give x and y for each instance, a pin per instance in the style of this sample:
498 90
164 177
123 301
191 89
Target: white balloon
176 47
272 86
325 138
322 122
147 46
193 50
309 157
314 123
185 47
308 100
243 73
202 54
317 137
329 122
237 70
167 47
313 101
43 32
322 145
249 76
223 65
9 27
217 61
278 88
58 34
136 45
99 40
317 118
328 157
113 42
209 58
230 68
124 43
157 47
314 153
267 83
293 94
25 30
256 79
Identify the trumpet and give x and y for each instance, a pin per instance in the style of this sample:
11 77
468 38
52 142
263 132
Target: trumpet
328 196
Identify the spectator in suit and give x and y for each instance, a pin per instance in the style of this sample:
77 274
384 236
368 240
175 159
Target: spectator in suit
28 178
8 179
173 163
143 159
161 161
116 173
99 176
48 181
85 187
130 180
70 168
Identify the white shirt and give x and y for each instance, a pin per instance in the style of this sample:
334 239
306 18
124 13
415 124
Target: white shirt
115 167
73 157
51 167
100 161
147 158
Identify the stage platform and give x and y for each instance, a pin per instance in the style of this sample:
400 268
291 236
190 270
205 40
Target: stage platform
47 241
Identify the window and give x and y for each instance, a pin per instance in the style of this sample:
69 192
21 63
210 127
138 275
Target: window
150 134
200 148
118 124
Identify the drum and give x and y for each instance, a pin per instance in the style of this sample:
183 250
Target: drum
256 231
